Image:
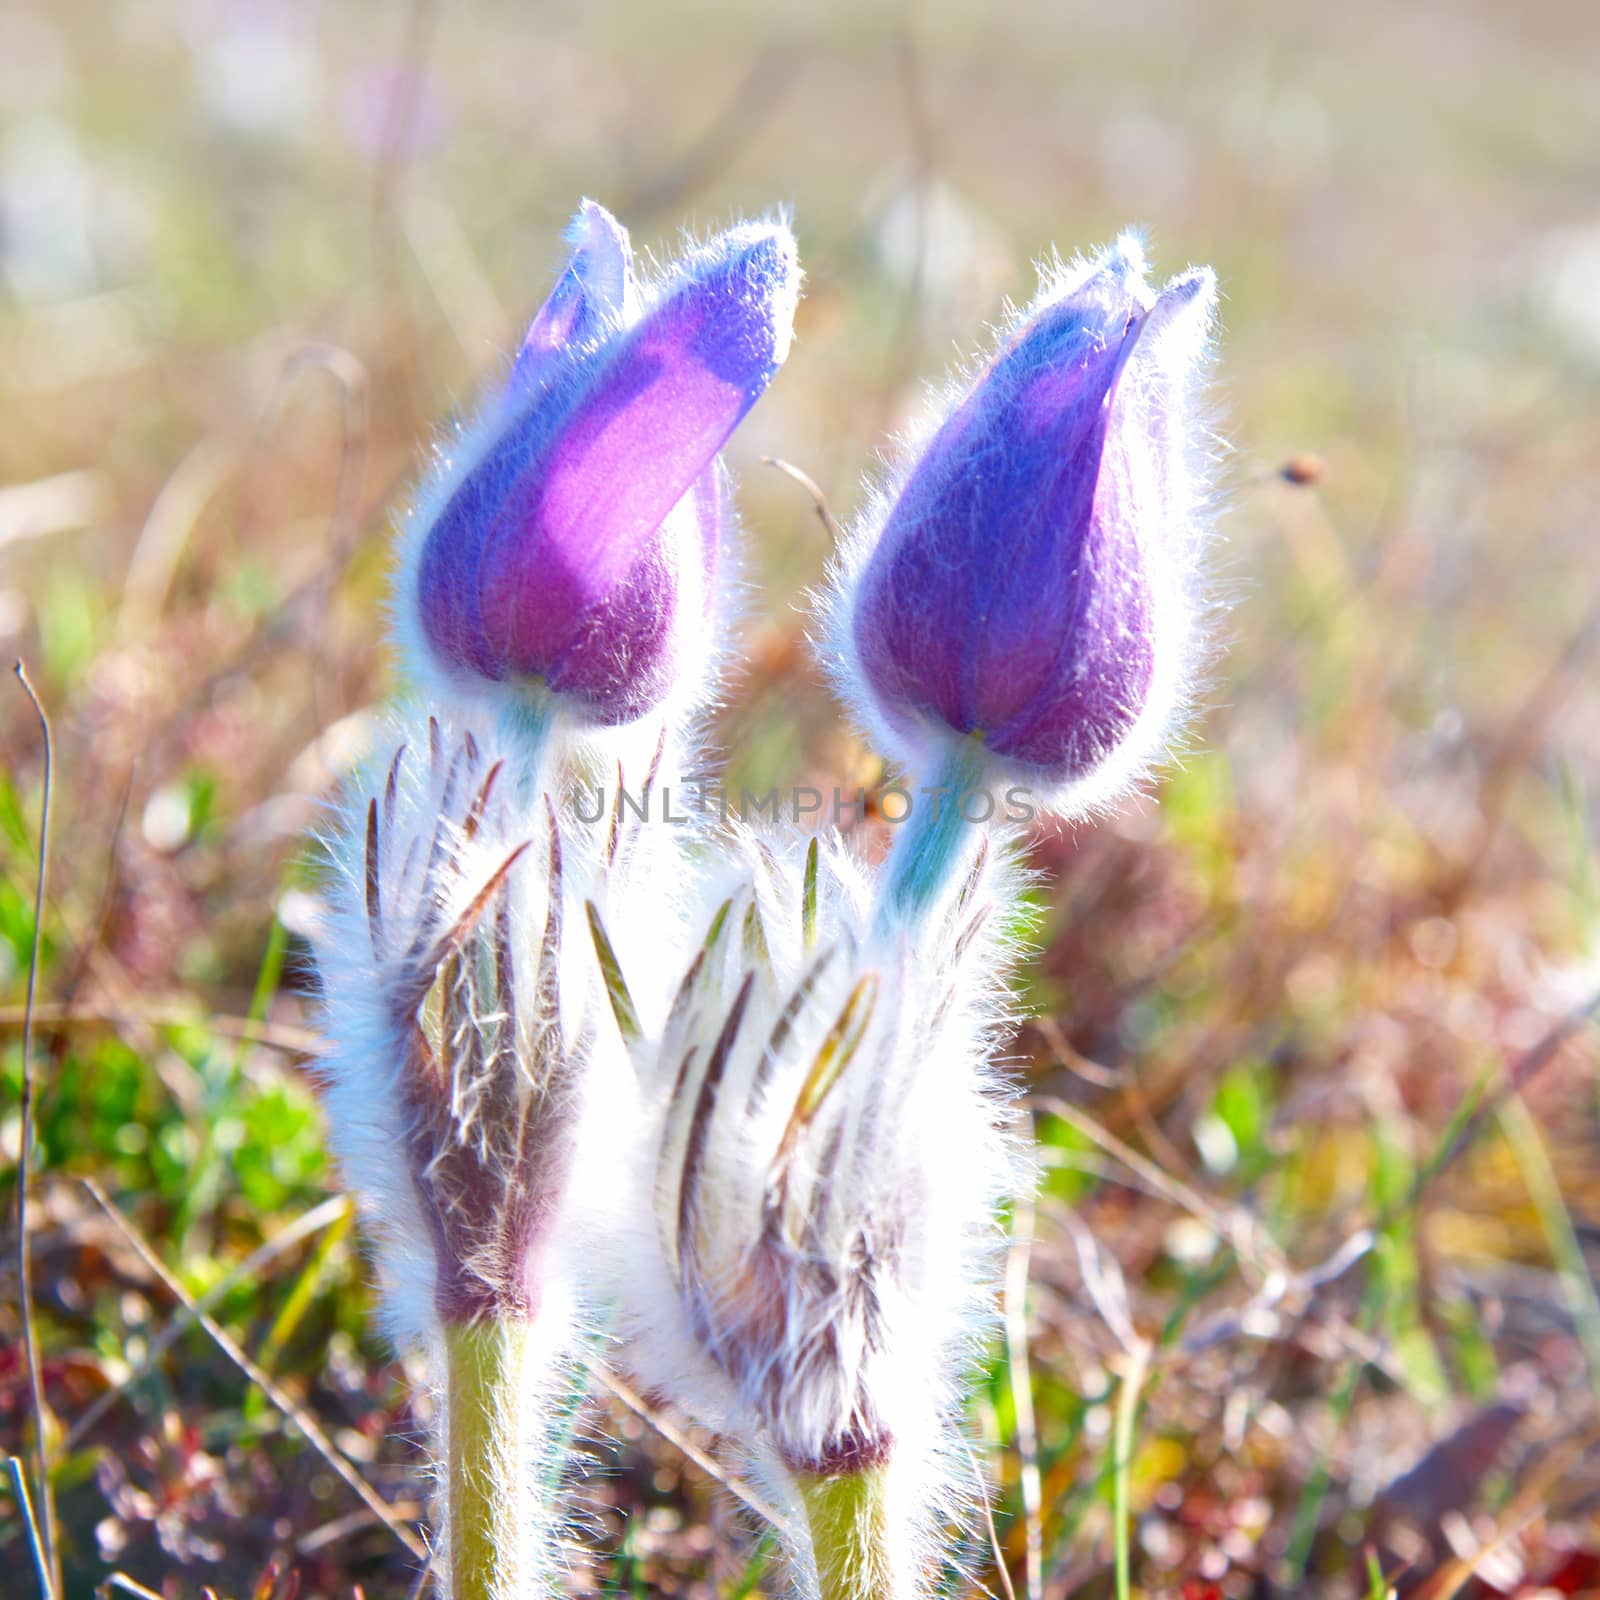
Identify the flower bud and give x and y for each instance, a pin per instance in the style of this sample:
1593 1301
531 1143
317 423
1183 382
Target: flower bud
820 1163
458 1063
571 543
1026 590
454 1059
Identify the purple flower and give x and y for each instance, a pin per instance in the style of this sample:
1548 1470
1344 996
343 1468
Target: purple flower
1026 587
576 544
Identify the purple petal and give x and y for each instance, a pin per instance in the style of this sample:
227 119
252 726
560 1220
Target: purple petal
996 599
561 556
447 574
624 658
594 294
665 398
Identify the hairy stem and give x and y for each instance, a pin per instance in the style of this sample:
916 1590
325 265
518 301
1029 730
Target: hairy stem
928 844
850 1535
497 1537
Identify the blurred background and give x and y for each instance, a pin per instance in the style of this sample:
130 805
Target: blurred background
1313 1075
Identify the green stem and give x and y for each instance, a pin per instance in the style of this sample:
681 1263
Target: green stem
1122 1464
1544 1189
529 719
927 846
493 1549
850 1535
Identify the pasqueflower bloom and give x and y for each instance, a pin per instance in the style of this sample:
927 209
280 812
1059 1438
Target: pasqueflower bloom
565 552
1026 592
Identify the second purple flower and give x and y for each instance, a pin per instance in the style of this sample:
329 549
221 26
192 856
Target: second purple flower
1025 594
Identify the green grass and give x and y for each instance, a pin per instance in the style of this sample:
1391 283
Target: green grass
1293 991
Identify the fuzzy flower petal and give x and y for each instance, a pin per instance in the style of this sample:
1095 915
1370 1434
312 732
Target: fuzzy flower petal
584 542
595 292
576 551
1026 586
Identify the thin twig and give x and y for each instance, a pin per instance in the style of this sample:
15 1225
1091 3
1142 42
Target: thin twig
41 1562
126 1585
30 1345
287 623
275 1035
995 1548
419 1583
327 1533
293 1412
1531 1501
1016 1312
1103 1282
173 517
818 499
84 954
675 1436
1252 1245
1074 1061
318 1217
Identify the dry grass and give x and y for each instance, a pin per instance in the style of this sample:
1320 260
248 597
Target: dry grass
1310 1290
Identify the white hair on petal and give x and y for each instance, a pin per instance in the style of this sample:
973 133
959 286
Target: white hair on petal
809 1265
1159 399
473 1080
